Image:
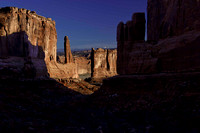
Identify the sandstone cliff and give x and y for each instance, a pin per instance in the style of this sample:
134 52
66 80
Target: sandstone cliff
176 53
83 65
103 63
83 62
161 74
128 34
172 17
26 35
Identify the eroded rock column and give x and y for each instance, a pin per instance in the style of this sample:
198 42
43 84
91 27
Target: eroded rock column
68 53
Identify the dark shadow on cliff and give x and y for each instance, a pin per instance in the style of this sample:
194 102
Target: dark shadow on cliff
48 106
20 60
19 57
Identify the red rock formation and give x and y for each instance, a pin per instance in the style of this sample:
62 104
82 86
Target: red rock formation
172 17
68 54
26 35
61 59
177 53
127 34
57 70
83 65
133 30
103 63
23 31
163 73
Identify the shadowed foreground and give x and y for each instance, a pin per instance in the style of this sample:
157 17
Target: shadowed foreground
47 106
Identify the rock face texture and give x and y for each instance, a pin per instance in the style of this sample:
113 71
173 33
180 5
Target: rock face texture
170 48
26 35
62 71
82 61
68 53
83 65
179 53
127 34
103 63
172 17
137 58
61 59
164 71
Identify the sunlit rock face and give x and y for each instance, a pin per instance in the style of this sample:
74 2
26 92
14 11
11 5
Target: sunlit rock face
62 71
172 17
25 34
103 63
83 65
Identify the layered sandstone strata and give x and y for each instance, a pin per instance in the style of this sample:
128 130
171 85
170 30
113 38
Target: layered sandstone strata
103 63
26 35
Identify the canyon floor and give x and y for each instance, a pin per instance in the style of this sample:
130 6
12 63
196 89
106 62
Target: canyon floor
48 106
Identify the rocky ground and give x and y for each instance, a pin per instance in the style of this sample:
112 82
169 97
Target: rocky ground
79 85
48 106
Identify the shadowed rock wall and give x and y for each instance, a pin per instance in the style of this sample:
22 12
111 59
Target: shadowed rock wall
175 27
162 70
128 34
173 40
172 17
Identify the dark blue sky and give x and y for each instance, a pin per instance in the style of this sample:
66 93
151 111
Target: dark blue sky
88 23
